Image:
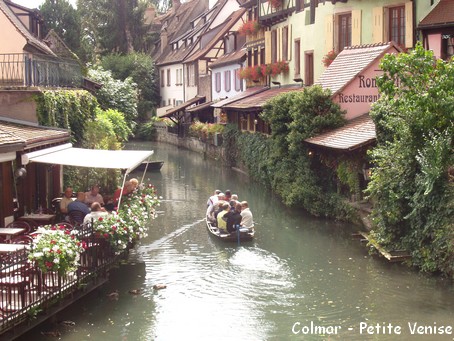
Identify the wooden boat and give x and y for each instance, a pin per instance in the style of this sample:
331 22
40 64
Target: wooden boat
245 234
152 165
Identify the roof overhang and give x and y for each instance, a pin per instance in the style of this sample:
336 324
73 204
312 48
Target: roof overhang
356 133
182 107
66 155
161 112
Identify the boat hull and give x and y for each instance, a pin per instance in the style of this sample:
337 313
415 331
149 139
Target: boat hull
245 235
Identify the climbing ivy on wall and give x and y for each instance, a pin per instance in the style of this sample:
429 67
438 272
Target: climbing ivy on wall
68 109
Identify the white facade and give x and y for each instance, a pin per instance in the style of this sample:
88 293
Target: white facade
225 81
171 84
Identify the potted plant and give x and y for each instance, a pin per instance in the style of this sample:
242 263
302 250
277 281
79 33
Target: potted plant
328 58
56 249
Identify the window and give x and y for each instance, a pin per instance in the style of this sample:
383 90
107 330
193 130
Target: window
309 68
227 81
344 31
168 77
238 82
162 78
217 80
297 57
191 75
285 43
256 57
273 46
397 25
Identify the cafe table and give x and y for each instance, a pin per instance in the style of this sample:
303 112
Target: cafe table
6 248
9 232
39 218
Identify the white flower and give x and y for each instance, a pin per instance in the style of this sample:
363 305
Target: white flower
56 260
55 248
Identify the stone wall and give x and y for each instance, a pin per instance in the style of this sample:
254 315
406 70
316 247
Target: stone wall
204 147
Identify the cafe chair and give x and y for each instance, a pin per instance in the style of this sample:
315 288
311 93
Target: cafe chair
76 217
23 239
18 284
20 224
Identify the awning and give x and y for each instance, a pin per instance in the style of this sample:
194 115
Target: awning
195 100
246 93
358 132
161 112
94 158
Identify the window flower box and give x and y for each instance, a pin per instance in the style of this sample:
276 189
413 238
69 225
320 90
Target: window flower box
250 27
260 71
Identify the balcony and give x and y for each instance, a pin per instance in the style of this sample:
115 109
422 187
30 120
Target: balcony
22 70
274 11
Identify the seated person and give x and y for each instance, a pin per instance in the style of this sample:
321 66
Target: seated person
228 195
96 212
214 198
79 204
222 223
94 196
127 189
134 184
246 216
233 218
213 208
67 198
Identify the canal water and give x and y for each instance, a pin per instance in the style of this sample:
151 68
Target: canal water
302 278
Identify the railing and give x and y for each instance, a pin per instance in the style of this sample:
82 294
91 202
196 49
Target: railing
31 70
26 291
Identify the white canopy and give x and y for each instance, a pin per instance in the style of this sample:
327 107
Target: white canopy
93 158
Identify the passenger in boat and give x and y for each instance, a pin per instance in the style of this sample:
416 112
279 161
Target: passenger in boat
96 212
228 195
67 198
94 196
246 215
233 218
79 204
222 223
233 202
213 209
214 198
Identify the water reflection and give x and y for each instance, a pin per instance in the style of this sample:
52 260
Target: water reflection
298 269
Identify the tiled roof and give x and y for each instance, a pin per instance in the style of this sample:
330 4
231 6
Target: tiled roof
230 58
224 29
178 23
441 15
33 135
248 92
257 101
196 99
9 140
349 63
357 132
32 40
200 107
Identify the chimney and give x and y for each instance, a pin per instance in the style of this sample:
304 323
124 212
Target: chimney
164 39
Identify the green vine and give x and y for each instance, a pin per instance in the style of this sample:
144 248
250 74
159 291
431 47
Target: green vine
68 109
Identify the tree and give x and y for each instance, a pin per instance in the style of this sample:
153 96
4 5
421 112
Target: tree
113 26
411 182
60 16
140 68
116 94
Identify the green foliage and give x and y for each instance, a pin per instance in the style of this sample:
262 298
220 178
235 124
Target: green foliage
68 109
141 69
147 131
205 130
410 183
116 94
113 25
282 162
348 174
64 20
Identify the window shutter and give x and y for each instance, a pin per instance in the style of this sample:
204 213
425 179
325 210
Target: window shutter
290 42
279 43
356 27
409 24
267 47
377 32
329 34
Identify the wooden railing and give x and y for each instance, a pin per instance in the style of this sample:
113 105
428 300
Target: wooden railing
32 70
